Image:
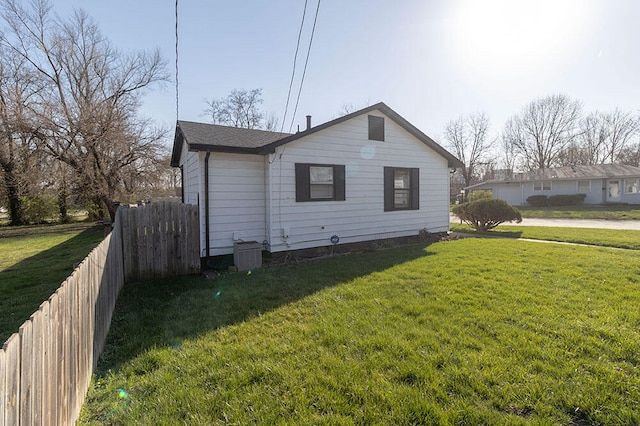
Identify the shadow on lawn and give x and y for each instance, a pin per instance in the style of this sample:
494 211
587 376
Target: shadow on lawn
167 312
29 282
495 233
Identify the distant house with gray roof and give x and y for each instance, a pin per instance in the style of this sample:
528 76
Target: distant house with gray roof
603 183
364 176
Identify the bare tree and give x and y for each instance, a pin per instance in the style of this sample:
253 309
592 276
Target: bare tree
271 122
18 90
467 137
349 107
508 148
543 130
619 128
86 114
238 109
630 155
591 139
602 138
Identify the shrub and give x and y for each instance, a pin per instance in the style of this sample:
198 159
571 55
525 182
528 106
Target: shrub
487 213
538 200
567 200
480 194
37 209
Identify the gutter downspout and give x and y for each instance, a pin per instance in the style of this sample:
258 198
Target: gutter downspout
269 199
206 203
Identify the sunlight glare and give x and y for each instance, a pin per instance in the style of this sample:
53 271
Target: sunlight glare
506 37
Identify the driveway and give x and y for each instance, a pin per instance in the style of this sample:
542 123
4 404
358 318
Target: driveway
633 225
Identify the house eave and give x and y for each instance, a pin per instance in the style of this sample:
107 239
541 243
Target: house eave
222 148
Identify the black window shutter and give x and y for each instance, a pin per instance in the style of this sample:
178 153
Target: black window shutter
415 189
339 182
388 188
302 182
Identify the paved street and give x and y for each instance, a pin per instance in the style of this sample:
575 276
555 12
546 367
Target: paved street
574 223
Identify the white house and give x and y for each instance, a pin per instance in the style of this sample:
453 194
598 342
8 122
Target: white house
364 176
604 183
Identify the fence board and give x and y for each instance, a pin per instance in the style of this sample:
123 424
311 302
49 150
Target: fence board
56 351
66 349
26 373
38 364
45 380
12 379
3 397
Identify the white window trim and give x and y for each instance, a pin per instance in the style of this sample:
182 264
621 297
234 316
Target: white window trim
578 186
637 185
542 188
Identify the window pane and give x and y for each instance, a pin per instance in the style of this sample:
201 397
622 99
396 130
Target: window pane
321 175
321 191
401 179
631 186
584 186
401 199
546 186
537 186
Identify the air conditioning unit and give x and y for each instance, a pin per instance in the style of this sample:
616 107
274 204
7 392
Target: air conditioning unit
247 255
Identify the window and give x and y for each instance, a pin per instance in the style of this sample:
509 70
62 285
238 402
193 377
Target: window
584 186
542 186
401 188
320 182
376 128
631 186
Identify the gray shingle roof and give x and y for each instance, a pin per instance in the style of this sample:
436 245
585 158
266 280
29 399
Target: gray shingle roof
570 172
224 136
212 137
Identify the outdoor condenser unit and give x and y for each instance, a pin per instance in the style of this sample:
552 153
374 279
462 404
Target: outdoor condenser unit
247 255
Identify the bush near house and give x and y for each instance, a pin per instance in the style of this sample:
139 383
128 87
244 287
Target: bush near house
566 200
538 200
556 200
487 213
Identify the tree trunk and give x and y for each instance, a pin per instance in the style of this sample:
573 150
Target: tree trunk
13 195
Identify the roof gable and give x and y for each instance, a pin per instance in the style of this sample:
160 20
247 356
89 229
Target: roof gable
211 137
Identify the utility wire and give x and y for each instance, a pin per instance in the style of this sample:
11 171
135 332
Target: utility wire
293 73
304 71
177 97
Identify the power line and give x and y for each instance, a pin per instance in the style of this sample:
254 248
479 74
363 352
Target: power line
177 96
293 73
304 71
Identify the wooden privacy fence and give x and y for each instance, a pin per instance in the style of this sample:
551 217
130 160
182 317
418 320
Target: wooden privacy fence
160 240
45 368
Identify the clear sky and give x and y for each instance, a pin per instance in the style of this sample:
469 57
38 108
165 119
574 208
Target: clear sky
430 60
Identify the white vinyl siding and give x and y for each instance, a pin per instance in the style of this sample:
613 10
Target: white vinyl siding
191 176
361 216
236 200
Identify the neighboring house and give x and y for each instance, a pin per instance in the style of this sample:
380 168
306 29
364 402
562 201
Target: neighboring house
604 183
364 176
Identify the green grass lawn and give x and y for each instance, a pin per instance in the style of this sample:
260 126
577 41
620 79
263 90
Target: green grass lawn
606 211
34 261
600 237
474 331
